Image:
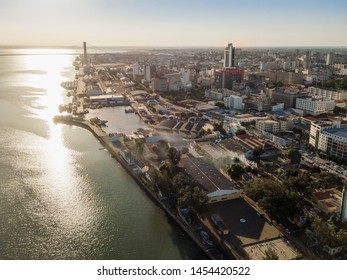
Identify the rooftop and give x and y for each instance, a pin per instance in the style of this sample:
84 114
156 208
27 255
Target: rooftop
340 132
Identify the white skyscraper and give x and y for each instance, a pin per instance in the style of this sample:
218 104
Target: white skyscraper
229 56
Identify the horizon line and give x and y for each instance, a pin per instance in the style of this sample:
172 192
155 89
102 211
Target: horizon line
149 46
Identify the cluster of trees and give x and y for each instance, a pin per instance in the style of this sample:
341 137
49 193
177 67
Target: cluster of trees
294 155
235 171
218 126
332 232
304 183
179 188
337 84
187 194
281 204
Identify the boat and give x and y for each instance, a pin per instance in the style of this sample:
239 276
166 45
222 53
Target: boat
129 110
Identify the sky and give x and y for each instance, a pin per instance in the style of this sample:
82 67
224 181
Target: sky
172 23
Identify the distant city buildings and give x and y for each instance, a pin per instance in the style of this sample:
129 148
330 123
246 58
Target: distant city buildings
329 94
287 96
315 106
274 126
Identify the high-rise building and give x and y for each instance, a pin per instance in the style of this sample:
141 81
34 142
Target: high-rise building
227 77
330 58
229 56
344 206
307 61
149 72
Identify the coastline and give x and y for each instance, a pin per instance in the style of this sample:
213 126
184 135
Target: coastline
105 141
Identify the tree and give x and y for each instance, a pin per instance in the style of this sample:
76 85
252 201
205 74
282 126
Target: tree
257 152
218 126
316 169
240 132
192 198
235 171
302 183
185 150
139 146
294 155
279 203
328 180
174 157
270 254
188 195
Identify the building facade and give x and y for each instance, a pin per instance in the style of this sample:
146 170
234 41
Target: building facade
315 106
234 102
229 56
329 137
329 94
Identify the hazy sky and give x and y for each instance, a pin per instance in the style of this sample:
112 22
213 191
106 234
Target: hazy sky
174 22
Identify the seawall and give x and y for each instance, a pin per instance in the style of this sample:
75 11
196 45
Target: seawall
105 140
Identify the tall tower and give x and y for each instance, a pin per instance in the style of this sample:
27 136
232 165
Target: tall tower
85 52
330 58
229 56
343 213
307 60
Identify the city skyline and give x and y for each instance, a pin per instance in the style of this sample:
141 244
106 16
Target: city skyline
187 23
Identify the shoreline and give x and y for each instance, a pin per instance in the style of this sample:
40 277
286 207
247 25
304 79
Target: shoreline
105 141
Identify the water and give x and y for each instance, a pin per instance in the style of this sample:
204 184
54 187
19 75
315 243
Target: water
61 196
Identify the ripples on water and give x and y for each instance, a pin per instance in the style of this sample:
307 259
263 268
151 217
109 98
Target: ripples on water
60 196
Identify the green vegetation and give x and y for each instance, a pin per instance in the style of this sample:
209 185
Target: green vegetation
188 195
279 203
337 84
257 152
240 132
300 183
270 254
174 158
294 155
218 126
327 180
331 233
235 171
340 111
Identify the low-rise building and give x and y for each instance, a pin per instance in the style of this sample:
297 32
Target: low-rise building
234 102
329 94
315 105
274 126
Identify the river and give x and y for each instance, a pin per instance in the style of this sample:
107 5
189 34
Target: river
61 195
